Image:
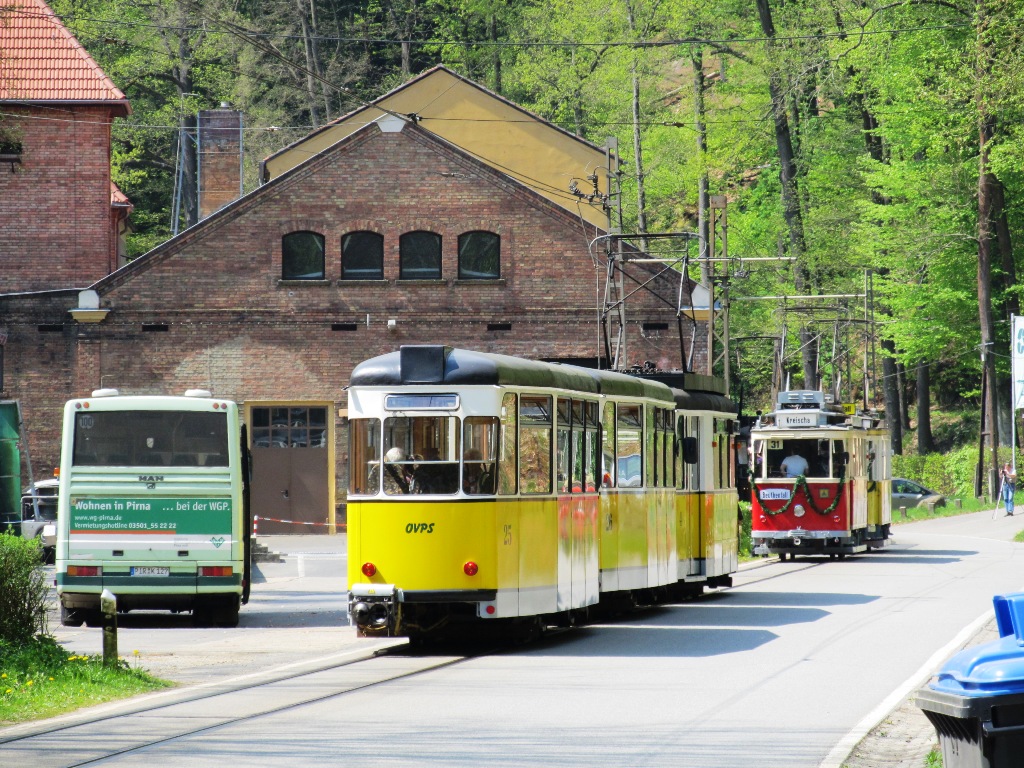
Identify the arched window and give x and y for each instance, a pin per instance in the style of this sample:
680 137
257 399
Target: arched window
362 256
302 256
479 256
419 256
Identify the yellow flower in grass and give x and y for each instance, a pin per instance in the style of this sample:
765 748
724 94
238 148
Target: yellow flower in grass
8 691
30 682
3 676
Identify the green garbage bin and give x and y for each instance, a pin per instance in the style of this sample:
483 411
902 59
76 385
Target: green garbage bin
976 702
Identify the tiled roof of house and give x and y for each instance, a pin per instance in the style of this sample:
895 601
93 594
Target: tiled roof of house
41 61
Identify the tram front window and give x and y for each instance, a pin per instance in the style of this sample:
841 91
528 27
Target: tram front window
818 458
421 455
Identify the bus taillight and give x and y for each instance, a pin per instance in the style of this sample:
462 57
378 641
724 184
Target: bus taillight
84 570
215 570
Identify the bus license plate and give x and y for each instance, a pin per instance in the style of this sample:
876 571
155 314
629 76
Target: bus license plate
150 570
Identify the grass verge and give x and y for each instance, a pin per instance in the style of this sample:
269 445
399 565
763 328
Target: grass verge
42 680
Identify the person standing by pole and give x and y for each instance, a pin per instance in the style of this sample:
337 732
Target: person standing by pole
1008 486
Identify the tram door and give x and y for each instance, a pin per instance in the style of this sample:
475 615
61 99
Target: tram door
290 474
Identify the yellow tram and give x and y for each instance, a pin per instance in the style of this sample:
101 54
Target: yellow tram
487 487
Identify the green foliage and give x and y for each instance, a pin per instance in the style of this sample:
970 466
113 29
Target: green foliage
745 527
41 679
933 760
23 591
951 474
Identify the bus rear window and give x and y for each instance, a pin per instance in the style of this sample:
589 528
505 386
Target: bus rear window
150 439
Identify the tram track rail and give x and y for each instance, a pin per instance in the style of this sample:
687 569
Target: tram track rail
43 744
398 662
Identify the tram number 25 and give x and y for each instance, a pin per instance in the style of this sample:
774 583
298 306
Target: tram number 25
508 535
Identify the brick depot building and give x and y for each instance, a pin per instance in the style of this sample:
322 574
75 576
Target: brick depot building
373 232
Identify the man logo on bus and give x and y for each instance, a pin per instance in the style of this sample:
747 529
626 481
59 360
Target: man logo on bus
151 478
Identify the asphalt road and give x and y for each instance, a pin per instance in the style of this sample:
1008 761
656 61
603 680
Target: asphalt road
788 668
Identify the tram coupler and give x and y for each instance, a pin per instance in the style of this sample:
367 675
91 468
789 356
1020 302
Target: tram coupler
374 609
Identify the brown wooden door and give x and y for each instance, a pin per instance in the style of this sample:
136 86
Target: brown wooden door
290 477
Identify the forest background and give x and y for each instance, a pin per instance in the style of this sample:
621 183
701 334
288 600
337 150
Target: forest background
874 145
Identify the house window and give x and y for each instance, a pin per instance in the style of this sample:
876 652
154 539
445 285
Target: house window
479 256
362 256
302 256
419 256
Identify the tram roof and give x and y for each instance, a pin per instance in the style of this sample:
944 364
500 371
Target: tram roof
687 400
433 364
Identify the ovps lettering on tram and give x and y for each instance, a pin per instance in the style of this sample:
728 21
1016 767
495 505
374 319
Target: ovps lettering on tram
419 528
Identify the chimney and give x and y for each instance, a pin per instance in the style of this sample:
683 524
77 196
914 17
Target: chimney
220 158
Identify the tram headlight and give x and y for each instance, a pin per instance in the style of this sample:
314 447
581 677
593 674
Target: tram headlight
799 510
378 615
360 612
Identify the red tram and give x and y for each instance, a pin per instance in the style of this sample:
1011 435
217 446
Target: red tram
820 479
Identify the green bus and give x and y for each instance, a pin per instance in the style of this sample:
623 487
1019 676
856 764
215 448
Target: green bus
153 506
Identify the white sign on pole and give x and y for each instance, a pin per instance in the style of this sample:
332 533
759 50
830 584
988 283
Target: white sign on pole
1018 362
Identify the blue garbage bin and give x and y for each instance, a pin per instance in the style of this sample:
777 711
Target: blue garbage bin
976 703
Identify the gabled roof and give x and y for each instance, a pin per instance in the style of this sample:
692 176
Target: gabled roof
518 143
41 61
300 174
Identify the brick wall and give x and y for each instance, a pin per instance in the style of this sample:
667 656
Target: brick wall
55 227
209 310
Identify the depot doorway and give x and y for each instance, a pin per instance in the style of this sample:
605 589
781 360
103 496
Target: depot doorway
291 467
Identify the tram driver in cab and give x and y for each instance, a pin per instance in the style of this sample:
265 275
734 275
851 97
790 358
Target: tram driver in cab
794 464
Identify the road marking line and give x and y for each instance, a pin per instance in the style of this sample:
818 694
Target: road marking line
846 745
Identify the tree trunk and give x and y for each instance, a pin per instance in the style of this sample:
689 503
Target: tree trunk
986 199
312 98
1005 242
925 443
492 30
891 388
790 190
697 59
638 154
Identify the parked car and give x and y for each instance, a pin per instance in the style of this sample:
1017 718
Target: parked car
39 519
907 493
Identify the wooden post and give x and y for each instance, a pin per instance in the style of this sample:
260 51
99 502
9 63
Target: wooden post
903 513
108 608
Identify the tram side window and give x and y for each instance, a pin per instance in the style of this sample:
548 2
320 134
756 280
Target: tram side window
629 433
562 460
593 447
679 460
480 438
608 446
695 430
650 454
535 424
364 456
421 456
578 453
507 458
657 456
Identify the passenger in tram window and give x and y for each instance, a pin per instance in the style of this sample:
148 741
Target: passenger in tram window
397 478
794 464
477 477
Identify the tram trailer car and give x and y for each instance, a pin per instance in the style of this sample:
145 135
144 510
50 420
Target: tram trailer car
835 498
152 505
486 487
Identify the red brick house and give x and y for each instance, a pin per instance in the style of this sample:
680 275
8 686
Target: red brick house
60 214
390 234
